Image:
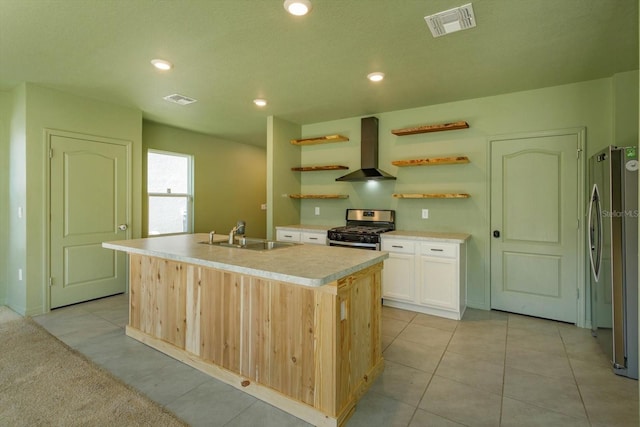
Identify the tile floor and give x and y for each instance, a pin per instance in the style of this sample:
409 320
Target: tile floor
490 369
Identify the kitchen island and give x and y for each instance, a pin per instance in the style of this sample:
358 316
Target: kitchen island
297 327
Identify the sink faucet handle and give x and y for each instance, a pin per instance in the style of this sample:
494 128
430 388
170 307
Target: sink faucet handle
211 236
240 226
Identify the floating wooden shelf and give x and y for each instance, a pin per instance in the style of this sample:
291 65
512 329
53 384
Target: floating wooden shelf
319 140
319 196
319 168
432 161
431 128
432 196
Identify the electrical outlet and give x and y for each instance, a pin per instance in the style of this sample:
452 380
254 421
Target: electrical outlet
425 213
263 206
317 210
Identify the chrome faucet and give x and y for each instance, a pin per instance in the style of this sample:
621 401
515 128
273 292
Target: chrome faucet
211 236
238 229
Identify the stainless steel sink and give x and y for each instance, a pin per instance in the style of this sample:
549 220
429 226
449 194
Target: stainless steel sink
253 244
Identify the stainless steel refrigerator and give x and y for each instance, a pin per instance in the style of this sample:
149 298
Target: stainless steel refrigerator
613 249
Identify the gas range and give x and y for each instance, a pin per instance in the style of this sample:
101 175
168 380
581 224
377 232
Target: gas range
363 228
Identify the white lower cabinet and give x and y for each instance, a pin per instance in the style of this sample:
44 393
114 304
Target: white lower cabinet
287 236
398 274
315 238
425 277
312 237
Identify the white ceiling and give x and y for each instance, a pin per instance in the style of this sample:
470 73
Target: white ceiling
310 69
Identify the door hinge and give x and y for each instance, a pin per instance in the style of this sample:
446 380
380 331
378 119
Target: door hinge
50 281
578 293
578 223
578 151
51 153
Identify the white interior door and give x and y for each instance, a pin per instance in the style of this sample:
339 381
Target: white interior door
89 205
535 226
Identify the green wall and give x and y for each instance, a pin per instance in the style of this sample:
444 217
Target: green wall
32 110
229 178
587 104
281 180
625 109
17 189
5 103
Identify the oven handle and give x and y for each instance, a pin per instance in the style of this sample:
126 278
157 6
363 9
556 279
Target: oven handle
355 244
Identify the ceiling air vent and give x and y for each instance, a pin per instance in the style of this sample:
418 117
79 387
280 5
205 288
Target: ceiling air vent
176 98
452 20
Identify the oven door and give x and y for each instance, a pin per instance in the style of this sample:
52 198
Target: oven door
356 245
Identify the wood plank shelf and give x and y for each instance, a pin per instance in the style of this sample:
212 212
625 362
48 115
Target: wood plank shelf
319 168
319 140
433 161
319 196
431 128
431 196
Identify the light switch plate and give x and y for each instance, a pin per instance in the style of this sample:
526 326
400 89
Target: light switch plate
317 210
425 213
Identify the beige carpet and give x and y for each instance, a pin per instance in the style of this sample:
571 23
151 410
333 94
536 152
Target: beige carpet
43 382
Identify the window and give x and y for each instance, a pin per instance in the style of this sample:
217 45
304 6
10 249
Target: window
169 187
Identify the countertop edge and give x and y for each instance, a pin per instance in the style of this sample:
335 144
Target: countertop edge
311 282
442 237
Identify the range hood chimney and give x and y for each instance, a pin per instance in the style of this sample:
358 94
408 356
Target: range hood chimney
368 155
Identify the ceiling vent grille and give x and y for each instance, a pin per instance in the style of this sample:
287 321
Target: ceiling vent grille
452 20
176 98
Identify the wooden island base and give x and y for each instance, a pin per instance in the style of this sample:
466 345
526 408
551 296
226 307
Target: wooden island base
310 351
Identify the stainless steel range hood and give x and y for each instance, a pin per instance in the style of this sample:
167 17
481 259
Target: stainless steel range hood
368 155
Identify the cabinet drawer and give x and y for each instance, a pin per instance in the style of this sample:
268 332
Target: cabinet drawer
444 250
314 238
402 246
288 236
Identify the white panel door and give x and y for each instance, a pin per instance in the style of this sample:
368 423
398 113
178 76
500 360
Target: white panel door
88 203
534 225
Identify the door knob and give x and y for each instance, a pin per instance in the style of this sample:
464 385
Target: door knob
496 233
123 227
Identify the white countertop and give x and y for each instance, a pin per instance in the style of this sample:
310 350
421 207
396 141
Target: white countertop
307 265
432 236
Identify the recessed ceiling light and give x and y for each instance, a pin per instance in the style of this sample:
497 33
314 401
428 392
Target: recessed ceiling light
297 7
260 102
375 77
161 64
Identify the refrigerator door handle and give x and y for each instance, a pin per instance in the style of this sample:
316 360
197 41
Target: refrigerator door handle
596 246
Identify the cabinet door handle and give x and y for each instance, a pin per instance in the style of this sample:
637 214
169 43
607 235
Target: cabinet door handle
288 235
397 246
437 250
313 238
